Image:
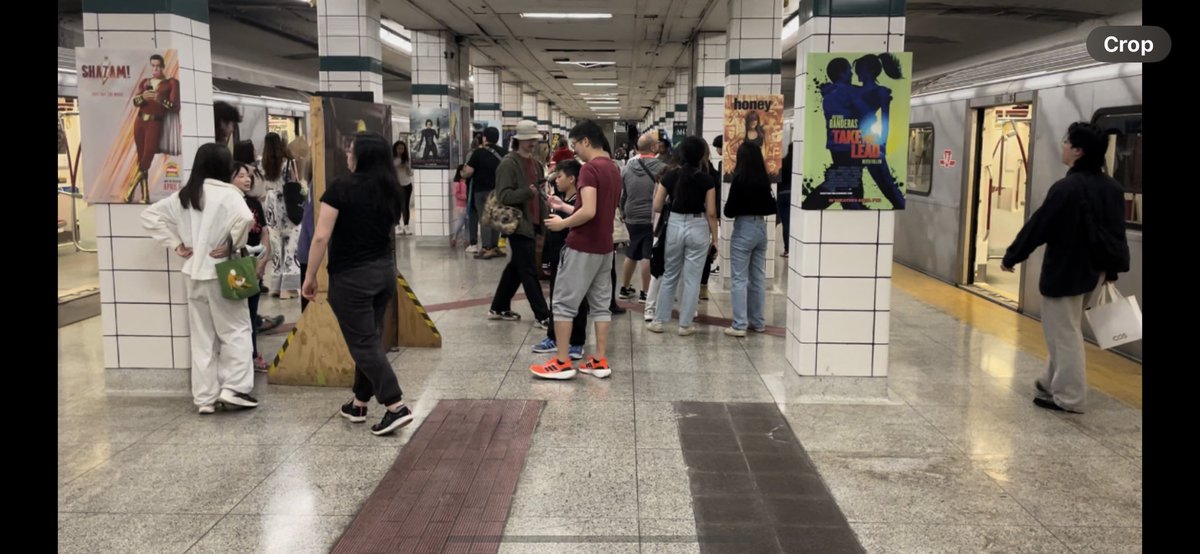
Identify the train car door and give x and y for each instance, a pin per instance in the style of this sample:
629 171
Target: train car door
1001 181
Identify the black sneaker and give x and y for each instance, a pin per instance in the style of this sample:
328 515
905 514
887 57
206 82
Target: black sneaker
616 309
642 297
392 421
627 293
354 413
240 399
505 315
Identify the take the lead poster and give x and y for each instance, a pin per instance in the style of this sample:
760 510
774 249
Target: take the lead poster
856 130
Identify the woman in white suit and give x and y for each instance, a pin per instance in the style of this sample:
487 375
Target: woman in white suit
200 223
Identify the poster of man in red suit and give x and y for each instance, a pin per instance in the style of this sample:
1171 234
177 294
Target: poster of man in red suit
157 101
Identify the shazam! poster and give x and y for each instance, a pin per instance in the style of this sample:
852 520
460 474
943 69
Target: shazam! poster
856 130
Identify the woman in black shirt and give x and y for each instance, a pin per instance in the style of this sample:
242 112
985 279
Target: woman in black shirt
691 231
748 205
355 224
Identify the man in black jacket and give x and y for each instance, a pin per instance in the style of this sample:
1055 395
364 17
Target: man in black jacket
1080 207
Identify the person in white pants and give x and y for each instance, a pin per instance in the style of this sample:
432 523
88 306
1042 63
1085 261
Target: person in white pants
201 223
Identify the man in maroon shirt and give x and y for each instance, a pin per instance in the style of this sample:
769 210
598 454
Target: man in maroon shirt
586 261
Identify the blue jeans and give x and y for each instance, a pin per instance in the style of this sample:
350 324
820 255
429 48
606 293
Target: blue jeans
748 256
688 241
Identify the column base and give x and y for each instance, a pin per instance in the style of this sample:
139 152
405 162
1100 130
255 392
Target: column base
148 382
823 389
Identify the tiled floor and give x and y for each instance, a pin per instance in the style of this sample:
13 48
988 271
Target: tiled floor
957 459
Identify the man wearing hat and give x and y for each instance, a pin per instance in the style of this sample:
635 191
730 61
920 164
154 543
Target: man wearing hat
517 180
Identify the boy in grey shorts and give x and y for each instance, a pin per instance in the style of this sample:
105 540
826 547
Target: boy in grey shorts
586 261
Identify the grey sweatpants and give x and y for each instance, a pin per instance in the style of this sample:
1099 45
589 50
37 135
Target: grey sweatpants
583 275
1065 379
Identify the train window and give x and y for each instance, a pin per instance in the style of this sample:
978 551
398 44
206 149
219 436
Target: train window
1124 158
920 159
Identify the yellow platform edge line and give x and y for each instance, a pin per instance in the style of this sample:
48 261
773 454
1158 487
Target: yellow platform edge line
1109 373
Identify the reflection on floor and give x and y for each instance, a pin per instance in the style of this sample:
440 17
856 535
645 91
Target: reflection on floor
958 459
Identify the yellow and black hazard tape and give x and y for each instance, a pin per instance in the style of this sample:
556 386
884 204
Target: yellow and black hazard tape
420 309
279 356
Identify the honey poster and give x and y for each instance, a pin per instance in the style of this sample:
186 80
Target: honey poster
758 119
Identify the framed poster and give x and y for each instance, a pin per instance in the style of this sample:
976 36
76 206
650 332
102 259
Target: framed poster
429 142
129 103
757 119
858 104
342 120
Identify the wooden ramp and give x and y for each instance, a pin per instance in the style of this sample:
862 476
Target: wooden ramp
315 353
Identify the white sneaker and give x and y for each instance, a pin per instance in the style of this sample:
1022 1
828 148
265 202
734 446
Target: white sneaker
655 327
689 330
206 409
474 248
735 332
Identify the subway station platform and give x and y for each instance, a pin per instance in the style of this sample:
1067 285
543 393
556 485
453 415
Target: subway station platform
695 444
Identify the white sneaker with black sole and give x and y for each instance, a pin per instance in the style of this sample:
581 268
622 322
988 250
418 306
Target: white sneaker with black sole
239 399
392 421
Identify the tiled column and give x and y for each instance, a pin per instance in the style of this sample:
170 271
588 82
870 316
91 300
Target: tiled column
708 115
682 89
488 94
510 105
144 312
438 77
543 114
529 106
348 32
839 288
754 65
669 111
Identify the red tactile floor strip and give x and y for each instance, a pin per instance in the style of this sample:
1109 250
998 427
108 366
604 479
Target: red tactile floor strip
451 488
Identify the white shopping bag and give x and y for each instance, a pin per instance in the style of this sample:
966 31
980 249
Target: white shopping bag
1115 319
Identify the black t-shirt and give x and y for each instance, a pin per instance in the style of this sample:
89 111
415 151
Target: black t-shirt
485 163
687 188
365 225
260 221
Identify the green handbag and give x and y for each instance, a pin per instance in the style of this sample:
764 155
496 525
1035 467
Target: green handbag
238 276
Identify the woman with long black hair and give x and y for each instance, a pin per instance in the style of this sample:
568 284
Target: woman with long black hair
749 204
203 223
691 231
355 225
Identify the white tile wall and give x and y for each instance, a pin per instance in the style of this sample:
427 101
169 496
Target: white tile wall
127 40
850 227
848 260
880 366
143 319
182 347
110 352
145 352
126 21
858 43
845 327
883 324
179 320
883 294
138 253
859 26
142 286
846 360
846 294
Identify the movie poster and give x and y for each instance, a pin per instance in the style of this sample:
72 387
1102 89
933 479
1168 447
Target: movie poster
343 120
129 102
429 143
857 104
758 119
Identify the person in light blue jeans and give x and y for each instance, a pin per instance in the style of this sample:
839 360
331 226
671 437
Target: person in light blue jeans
749 203
691 231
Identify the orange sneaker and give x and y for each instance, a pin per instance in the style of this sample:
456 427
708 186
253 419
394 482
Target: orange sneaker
553 369
596 367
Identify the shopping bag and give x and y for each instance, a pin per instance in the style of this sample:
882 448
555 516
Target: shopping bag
238 277
1115 319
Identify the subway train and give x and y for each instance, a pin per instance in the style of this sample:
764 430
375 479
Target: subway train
984 149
